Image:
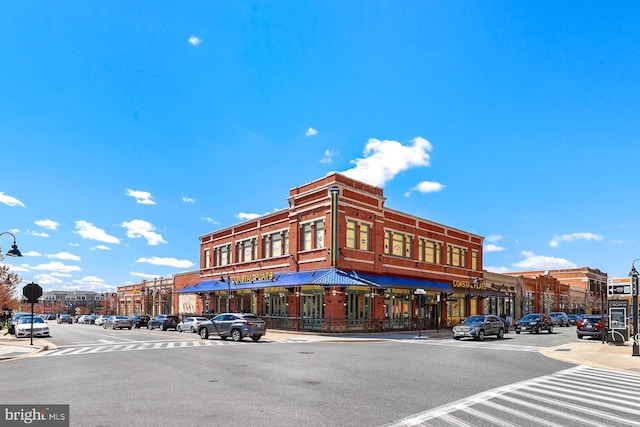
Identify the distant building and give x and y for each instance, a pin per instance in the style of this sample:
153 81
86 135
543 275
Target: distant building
575 290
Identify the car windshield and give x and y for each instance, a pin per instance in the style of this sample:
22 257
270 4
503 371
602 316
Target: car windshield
531 317
122 318
475 319
28 320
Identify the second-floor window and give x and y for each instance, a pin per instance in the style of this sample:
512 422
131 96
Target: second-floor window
398 244
358 235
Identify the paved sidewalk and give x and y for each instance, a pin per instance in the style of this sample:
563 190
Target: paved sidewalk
592 352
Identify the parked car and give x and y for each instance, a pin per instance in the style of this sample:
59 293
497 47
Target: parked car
82 319
507 324
535 322
15 318
560 318
190 324
101 319
23 327
574 318
592 325
140 320
234 325
478 327
117 322
65 318
164 322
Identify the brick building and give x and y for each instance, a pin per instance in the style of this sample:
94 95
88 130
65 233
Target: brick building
573 290
338 259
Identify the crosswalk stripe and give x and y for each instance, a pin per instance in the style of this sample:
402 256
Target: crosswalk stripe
545 401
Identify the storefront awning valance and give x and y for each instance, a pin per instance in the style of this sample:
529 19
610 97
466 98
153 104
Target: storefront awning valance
324 277
403 282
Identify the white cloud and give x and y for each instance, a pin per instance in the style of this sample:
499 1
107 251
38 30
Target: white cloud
195 41
209 219
426 187
170 262
10 201
31 253
102 248
47 223
90 281
48 280
500 270
247 216
86 230
555 242
140 228
383 160
188 199
37 234
493 238
65 255
144 276
493 248
57 266
311 132
541 262
328 156
142 197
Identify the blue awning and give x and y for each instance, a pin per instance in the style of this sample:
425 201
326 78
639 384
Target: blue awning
322 277
403 282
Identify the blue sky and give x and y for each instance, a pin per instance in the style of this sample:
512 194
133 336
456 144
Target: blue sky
129 129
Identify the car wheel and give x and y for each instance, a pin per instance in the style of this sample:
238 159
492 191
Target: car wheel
480 336
517 332
500 333
204 333
236 335
550 329
256 338
537 329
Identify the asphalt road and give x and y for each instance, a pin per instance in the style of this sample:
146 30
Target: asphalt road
266 383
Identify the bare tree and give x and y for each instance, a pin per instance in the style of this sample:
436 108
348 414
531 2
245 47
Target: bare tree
8 285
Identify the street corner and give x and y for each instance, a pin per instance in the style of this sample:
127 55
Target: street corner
597 355
13 348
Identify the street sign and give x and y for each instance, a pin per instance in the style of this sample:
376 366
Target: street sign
619 287
32 291
420 291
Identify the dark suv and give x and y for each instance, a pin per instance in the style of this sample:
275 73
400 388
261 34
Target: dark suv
535 322
140 320
592 325
164 322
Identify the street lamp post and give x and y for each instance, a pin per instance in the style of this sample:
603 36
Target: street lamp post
634 309
228 281
14 251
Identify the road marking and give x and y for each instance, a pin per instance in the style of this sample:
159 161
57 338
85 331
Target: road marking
544 401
